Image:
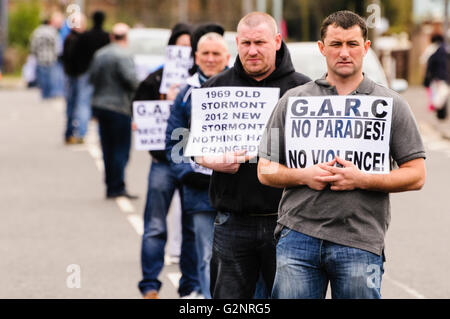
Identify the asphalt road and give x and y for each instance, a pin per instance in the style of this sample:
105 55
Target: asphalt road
60 238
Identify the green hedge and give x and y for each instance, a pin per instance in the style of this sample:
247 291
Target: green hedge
22 21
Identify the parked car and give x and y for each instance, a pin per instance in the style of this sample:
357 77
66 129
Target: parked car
308 60
148 47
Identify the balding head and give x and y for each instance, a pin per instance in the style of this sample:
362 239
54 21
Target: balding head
119 32
254 19
213 36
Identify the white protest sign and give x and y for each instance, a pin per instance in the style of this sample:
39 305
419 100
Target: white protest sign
176 66
228 119
151 121
355 128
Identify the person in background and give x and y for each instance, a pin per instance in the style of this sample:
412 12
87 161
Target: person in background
113 76
83 50
162 184
436 75
59 76
211 57
78 96
1 60
1 52
45 45
90 41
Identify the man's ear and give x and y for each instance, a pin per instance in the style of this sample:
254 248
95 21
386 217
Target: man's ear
278 40
367 46
196 57
321 46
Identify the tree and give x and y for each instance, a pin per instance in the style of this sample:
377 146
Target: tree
22 21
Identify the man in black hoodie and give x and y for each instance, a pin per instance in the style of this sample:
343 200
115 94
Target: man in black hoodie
247 210
90 41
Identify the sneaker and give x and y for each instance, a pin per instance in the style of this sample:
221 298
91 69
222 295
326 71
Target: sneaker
193 295
151 294
71 140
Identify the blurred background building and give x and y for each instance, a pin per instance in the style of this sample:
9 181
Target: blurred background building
400 28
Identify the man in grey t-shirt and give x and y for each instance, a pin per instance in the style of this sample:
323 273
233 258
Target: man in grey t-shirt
333 215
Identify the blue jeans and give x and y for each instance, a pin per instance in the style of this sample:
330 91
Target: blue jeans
204 230
58 79
45 76
161 188
115 138
50 80
305 265
243 250
78 110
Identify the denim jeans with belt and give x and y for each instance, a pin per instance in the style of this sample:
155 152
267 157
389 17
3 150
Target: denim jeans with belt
162 183
243 249
305 266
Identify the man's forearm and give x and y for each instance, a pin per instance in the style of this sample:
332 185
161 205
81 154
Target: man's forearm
409 176
276 175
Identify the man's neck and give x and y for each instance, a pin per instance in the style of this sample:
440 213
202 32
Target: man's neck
345 86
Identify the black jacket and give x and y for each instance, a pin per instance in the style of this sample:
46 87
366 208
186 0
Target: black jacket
69 56
88 43
436 66
242 192
148 90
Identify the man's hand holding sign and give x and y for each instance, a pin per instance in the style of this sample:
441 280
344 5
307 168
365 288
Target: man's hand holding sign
225 163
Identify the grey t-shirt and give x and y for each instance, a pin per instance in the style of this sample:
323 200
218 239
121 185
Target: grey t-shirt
356 218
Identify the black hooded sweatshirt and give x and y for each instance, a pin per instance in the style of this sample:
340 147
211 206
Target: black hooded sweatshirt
242 192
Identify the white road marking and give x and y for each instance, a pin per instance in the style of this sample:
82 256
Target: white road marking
174 278
125 205
404 287
137 223
92 146
433 139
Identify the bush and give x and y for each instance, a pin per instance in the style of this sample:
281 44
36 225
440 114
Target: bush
22 21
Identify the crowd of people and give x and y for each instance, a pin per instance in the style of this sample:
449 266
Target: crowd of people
247 231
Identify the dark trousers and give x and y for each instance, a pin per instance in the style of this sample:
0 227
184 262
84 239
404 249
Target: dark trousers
243 250
115 137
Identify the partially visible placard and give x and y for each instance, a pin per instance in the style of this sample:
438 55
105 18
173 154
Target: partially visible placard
151 121
176 67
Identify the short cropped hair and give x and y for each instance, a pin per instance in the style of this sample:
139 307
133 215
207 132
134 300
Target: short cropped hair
344 19
212 36
254 19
